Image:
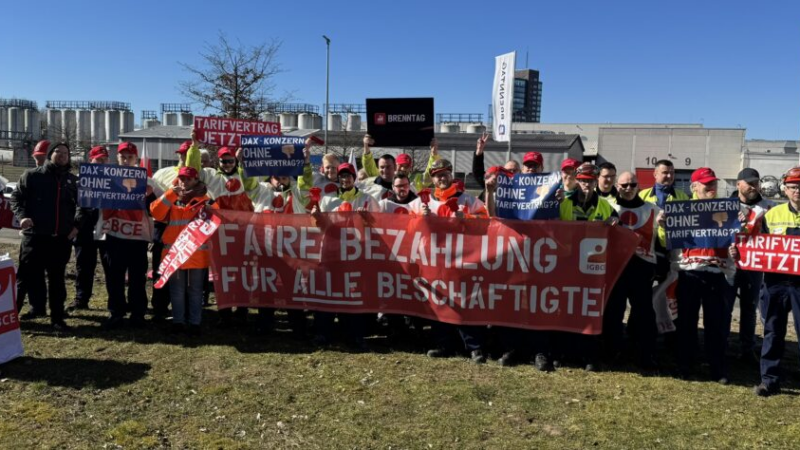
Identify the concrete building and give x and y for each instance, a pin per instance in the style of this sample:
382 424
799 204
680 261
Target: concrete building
638 149
771 158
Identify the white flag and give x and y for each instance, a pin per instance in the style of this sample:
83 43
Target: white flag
503 97
352 158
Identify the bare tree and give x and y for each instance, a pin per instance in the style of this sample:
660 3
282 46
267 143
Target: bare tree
233 80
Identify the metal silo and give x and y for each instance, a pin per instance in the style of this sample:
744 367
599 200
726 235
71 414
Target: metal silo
185 119
305 121
112 125
69 128
288 121
32 123
354 122
317 122
476 128
53 117
98 126
170 118
449 128
126 122
150 123
83 123
334 122
269 117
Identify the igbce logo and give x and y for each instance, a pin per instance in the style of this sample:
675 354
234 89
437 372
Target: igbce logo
593 256
380 118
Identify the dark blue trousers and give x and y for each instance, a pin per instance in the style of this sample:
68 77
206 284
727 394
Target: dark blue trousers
782 299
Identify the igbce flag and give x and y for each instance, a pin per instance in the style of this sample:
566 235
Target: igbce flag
220 131
273 155
109 186
711 223
526 274
503 96
401 122
527 196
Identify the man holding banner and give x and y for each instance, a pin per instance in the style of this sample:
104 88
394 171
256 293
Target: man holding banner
127 233
86 247
706 272
784 288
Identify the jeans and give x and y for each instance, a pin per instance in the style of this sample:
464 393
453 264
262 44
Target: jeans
186 295
748 285
782 299
711 291
42 254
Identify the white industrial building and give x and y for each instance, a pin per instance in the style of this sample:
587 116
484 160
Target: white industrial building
19 120
87 122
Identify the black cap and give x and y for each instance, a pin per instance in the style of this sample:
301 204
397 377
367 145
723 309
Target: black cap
748 175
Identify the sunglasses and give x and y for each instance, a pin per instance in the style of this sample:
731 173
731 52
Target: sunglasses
628 185
227 161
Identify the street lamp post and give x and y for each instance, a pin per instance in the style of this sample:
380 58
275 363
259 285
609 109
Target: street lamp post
327 86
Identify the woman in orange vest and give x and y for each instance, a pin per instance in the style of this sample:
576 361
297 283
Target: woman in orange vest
177 207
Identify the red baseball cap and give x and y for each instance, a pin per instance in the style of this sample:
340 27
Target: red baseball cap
347 167
570 163
128 147
403 158
184 147
704 175
41 148
225 151
534 157
98 152
188 172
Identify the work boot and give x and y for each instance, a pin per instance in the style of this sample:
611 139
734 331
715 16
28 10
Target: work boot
507 359
764 390
76 305
478 357
541 363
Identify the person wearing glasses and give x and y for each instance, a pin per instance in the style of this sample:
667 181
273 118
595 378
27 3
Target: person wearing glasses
783 289
635 285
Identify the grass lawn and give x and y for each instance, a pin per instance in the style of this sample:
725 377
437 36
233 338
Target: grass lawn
147 388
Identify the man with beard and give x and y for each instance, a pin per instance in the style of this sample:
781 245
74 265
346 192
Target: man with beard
748 282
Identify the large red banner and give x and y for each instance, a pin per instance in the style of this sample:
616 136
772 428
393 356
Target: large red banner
769 253
220 131
544 275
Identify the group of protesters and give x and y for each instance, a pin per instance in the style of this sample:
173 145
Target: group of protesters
45 204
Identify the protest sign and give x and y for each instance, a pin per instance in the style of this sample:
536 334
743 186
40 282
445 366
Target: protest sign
220 131
10 336
535 275
530 196
702 223
769 253
402 122
189 241
273 155
109 186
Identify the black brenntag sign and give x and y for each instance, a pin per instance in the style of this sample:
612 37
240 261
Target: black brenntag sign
400 122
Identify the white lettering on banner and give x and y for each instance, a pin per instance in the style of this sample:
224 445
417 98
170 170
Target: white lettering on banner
191 238
770 253
400 118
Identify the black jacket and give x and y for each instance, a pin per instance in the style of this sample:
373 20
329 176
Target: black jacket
49 196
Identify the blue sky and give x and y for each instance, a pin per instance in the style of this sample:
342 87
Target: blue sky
725 64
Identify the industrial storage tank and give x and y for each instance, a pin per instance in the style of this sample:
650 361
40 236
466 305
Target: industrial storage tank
170 118
268 117
112 125
15 119
185 119
150 123
288 121
126 122
3 122
69 126
450 128
98 126
53 117
354 122
32 125
317 122
476 128
83 119
305 121
334 122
